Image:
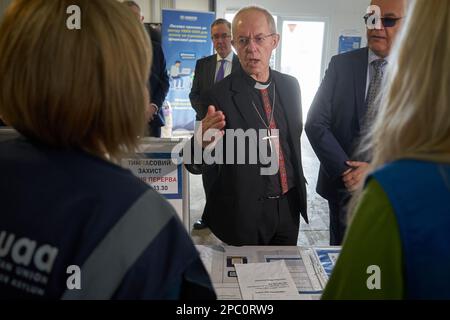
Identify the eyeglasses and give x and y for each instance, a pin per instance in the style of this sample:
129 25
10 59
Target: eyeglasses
388 22
259 40
222 36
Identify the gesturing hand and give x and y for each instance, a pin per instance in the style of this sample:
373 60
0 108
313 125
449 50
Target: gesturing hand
215 121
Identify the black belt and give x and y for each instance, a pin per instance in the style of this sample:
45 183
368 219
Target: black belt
272 197
275 197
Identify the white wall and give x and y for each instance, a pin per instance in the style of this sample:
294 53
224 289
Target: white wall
340 15
195 5
151 9
145 9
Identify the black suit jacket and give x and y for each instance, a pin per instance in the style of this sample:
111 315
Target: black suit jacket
336 117
158 84
205 70
234 205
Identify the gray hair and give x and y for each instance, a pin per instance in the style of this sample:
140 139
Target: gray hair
267 14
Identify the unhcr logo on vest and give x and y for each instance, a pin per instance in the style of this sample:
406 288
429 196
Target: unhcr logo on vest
24 264
26 252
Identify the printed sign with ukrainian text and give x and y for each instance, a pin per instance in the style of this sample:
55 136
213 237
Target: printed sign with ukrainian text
186 38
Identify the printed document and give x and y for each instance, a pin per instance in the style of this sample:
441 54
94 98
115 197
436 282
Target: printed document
266 281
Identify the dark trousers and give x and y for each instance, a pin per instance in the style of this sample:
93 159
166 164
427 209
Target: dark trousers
280 220
209 177
338 217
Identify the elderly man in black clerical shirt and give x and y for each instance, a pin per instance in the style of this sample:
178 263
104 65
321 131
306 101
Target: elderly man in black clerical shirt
246 206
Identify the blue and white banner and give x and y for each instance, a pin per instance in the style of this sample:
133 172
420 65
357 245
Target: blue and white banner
349 43
186 37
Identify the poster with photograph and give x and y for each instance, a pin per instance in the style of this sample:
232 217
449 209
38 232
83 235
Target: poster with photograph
186 37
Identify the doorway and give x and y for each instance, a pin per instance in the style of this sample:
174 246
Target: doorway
301 55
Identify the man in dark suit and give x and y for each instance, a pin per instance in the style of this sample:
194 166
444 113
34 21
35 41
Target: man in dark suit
158 84
246 205
344 108
209 71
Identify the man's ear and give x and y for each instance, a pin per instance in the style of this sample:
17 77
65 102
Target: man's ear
276 39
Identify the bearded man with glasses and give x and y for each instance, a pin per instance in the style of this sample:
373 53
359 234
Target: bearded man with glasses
344 108
246 207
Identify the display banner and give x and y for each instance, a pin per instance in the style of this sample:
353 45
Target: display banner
349 43
186 37
153 165
158 170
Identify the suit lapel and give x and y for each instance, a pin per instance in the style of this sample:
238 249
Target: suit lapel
360 80
211 70
243 103
236 63
290 108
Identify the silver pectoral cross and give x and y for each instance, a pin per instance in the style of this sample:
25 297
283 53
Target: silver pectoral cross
270 137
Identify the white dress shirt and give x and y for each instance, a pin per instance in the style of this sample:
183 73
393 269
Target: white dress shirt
227 65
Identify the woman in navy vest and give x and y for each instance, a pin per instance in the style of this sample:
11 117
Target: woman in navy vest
398 246
74 224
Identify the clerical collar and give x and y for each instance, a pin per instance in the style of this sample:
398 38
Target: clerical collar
256 84
261 86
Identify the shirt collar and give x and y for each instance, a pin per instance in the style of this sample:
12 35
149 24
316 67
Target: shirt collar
228 58
252 82
373 57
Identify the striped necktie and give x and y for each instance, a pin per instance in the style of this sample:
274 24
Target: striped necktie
372 101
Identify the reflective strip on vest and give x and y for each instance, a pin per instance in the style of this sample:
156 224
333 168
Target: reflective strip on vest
104 270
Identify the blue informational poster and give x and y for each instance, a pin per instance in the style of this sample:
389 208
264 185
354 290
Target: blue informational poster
186 37
328 258
348 43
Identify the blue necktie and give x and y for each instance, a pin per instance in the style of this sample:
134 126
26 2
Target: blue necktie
221 72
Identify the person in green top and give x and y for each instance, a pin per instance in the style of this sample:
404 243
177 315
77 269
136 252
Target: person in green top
413 123
373 239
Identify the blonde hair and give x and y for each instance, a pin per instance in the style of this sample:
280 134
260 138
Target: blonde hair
74 88
414 117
